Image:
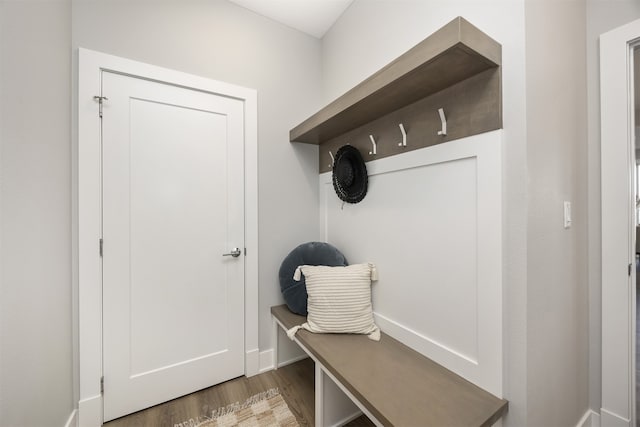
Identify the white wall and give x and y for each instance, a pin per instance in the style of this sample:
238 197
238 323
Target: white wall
395 26
602 16
557 296
35 195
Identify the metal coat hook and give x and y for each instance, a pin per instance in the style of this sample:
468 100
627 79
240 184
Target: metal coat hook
443 119
373 143
333 160
404 136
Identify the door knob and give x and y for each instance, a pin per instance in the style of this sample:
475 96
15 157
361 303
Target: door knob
235 252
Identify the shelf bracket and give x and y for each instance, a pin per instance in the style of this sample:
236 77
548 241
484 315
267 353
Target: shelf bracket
374 151
443 120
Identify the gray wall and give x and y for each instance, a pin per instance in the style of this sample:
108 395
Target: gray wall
214 39
221 41
602 16
35 175
557 297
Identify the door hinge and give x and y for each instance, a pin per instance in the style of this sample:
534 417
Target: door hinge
101 385
629 270
245 251
101 247
100 100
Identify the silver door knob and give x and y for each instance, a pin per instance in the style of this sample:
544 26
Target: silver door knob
235 252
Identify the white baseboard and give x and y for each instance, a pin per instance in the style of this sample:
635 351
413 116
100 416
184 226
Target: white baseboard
73 419
90 412
347 419
609 419
266 361
293 360
268 364
589 419
252 362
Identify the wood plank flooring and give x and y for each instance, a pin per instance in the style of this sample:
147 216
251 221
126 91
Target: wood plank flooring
295 381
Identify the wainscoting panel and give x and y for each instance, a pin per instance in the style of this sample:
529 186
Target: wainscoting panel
431 222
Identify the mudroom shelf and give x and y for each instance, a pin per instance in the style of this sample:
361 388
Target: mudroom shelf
454 53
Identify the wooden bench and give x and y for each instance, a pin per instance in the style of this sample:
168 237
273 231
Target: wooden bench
390 383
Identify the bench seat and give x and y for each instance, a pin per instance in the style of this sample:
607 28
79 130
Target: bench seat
392 383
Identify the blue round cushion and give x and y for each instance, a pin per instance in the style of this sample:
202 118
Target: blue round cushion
311 253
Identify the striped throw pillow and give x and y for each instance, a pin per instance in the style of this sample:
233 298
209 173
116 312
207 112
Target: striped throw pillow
339 299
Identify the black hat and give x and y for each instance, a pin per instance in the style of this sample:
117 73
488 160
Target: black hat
350 175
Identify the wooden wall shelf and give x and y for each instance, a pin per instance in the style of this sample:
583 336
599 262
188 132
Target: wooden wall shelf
454 53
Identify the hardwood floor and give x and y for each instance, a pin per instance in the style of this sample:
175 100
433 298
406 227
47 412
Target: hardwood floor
296 386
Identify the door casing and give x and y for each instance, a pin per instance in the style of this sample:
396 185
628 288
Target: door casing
618 219
88 210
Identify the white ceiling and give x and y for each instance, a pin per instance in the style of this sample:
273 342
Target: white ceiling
313 17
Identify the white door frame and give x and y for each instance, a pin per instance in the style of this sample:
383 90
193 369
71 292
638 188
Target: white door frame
618 228
88 201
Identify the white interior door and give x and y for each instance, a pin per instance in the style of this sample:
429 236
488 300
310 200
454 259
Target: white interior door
618 225
173 204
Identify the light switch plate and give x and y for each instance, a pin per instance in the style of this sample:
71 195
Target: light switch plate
567 214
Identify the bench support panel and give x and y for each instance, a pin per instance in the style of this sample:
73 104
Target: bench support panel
333 407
